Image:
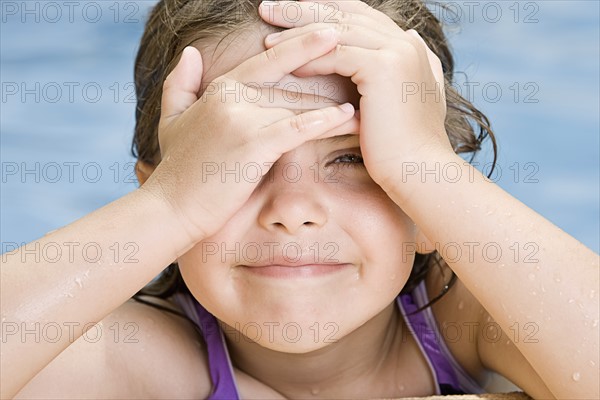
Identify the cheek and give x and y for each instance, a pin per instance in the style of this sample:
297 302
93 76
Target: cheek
202 276
385 234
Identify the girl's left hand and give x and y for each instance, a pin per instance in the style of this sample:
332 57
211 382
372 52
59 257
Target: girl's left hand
401 82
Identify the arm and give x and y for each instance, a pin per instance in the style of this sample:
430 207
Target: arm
80 287
548 286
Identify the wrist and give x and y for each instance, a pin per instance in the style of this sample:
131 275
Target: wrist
425 172
169 217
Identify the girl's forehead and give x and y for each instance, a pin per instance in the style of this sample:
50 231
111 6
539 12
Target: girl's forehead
220 57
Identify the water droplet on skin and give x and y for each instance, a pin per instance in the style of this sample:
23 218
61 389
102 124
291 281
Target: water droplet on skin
468 211
79 282
576 376
556 278
571 301
489 213
592 363
543 288
314 392
401 388
501 265
592 293
67 294
461 305
392 277
595 323
87 273
538 267
534 293
531 276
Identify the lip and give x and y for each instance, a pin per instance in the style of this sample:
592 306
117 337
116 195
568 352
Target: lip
296 271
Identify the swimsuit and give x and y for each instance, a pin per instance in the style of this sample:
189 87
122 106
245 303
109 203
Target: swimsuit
449 376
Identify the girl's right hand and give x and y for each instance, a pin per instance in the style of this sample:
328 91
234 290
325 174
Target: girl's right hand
203 138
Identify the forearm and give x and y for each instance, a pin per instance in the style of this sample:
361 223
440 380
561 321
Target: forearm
522 268
54 287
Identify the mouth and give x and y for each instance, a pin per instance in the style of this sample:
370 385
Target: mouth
296 271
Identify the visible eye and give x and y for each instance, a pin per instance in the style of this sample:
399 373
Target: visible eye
348 159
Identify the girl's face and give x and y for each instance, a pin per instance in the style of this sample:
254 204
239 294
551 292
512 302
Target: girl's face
318 249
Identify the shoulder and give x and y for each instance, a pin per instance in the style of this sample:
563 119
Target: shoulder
137 351
458 316
478 343
159 348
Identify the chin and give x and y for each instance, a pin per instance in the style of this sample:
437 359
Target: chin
294 338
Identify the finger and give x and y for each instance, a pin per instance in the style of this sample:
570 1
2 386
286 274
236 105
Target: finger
349 127
290 14
182 85
293 96
359 8
298 100
289 133
275 63
354 35
434 60
348 61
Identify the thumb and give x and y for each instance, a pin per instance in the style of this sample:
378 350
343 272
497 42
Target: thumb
182 84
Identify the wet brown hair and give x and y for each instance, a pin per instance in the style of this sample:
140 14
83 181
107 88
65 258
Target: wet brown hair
175 24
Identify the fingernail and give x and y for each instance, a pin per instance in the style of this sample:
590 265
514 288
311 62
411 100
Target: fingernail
326 34
272 37
347 108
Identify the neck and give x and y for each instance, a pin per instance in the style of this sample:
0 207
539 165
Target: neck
361 364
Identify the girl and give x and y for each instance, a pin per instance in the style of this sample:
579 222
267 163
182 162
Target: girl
297 181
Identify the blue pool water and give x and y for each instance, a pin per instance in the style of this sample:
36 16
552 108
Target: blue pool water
67 107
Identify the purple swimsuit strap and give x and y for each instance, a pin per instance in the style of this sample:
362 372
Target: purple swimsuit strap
220 368
428 340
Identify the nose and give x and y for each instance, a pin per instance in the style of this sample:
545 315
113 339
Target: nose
291 204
